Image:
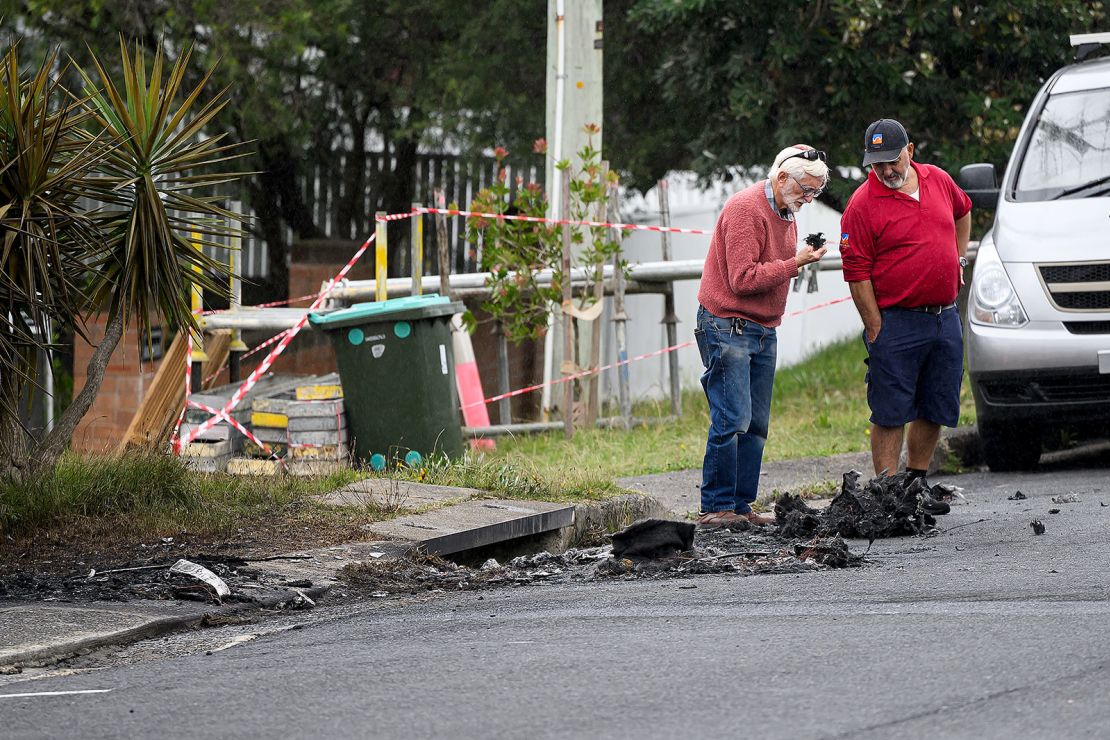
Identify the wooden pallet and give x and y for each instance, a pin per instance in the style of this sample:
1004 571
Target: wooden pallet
153 423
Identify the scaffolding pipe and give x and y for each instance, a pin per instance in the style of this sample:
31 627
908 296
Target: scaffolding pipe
620 318
645 277
356 291
568 321
531 427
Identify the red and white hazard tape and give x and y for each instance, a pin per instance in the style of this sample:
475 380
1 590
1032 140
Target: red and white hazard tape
556 221
246 432
826 304
252 379
656 353
275 338
273 304
397 216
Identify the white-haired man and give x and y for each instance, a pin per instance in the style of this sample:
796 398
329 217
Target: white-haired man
752 258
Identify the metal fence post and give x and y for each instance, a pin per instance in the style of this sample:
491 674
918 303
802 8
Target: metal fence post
619 315
441 244
504 406
234 262
670 319
568 321
593 402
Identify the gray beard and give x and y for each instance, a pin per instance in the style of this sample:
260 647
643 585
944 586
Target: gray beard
895 183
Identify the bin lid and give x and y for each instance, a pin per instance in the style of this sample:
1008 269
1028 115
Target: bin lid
408 307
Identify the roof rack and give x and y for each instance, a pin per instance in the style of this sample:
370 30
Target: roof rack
1088 43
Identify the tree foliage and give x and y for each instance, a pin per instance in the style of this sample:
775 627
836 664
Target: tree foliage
765 75
315 84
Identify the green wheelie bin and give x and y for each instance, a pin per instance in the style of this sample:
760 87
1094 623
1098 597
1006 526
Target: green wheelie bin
398 374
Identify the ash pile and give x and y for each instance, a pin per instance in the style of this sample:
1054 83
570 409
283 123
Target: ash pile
648 549
885 506
209 579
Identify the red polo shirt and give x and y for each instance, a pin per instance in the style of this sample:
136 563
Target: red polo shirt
905 247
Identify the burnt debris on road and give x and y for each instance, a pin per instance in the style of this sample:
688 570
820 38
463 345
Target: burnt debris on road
886 506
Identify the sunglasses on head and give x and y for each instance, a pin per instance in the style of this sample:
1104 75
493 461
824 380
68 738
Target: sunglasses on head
810 154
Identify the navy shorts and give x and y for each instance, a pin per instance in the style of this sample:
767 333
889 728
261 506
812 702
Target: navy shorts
915 368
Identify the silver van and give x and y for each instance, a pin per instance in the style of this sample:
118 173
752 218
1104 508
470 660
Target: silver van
1038 309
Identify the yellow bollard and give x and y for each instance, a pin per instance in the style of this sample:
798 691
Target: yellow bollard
197 303
381 267
417 252
236 246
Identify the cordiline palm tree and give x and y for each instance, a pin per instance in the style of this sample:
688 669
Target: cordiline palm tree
139 150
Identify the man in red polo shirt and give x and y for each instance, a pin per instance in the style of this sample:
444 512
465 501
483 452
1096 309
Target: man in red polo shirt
903 239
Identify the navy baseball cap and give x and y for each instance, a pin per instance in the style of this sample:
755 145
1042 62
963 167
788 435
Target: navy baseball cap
884 141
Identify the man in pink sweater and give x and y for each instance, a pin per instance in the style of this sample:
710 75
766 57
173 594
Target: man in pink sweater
752 257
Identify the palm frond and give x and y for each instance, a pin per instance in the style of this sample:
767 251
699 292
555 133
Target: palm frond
165 165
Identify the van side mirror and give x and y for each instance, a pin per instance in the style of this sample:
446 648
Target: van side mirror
981 185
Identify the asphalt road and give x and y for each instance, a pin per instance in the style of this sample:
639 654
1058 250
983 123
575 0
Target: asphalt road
984 631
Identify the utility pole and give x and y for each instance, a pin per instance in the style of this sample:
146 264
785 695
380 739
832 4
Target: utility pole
575 33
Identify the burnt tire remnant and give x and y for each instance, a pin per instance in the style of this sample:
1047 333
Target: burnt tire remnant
886 506
653 538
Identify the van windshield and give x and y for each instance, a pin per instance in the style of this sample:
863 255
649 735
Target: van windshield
1069 152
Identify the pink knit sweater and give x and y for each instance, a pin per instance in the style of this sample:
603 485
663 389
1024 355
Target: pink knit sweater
751 260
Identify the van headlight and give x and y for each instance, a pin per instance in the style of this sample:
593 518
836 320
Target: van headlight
993 299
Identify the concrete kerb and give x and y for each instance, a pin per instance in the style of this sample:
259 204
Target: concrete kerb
594 519
66 648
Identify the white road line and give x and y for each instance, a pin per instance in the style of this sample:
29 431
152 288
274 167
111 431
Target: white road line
54 693
237 641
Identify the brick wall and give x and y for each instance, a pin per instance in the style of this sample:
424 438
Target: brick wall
125 382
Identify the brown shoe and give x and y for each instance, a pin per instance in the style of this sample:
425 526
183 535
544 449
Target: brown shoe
718 519
761 520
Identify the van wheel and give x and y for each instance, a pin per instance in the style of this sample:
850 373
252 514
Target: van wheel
1012 446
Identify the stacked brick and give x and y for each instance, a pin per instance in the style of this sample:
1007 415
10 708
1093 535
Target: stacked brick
211 452
305 426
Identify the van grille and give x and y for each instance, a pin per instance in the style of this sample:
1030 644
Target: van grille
1049 389
1088 327
1098 272
1078 287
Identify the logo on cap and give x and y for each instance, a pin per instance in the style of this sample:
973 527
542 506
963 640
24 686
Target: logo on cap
876 139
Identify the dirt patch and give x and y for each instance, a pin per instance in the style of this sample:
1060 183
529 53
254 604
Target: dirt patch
56 566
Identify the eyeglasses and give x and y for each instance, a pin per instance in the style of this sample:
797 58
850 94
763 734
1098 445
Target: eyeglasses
809 154
807 191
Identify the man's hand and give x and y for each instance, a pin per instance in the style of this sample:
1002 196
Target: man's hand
873 332
808 255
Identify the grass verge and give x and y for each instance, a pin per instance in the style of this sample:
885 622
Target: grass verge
104 500
819 408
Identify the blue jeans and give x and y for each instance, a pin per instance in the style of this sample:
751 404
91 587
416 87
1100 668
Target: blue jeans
739 359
